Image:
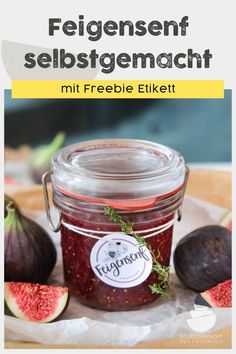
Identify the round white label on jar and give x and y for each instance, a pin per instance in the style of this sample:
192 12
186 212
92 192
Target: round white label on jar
120 260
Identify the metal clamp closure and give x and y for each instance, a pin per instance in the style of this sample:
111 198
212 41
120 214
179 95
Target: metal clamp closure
179 211
45 179
56 227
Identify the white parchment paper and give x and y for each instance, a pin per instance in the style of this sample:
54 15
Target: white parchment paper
80 324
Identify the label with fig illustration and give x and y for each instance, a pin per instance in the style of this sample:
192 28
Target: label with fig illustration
121 261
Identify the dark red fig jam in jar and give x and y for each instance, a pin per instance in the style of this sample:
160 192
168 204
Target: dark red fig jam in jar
144 183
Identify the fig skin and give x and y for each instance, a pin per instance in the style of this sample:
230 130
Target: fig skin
14 308
8 312
202 259
218 296
29 254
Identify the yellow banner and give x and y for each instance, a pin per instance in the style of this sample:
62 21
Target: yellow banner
117 89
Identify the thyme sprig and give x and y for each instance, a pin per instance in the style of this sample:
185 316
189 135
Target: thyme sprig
162 270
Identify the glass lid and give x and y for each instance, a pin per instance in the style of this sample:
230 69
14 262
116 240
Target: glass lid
118 169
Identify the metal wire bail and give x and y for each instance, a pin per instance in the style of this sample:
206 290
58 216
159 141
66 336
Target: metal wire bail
179 211
45 179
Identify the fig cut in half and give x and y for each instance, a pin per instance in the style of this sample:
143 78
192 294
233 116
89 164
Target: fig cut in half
35 302
218 296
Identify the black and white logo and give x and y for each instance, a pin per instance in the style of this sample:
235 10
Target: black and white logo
120 261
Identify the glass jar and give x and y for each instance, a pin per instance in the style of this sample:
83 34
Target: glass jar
144 183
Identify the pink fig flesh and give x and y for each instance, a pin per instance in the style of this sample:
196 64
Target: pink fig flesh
35 302
220 295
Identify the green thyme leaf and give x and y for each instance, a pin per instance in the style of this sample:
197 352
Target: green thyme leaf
157 289
162 270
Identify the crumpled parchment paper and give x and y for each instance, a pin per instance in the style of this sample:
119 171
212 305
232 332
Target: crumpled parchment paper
159 320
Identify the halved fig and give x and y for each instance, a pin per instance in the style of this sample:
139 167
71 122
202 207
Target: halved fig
219 296
35 302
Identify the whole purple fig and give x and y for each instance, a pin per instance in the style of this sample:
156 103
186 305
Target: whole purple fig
29 252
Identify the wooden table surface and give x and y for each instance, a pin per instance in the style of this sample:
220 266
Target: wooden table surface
212 186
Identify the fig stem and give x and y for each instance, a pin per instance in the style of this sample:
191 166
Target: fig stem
13 217
43 154
58 141
10 207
